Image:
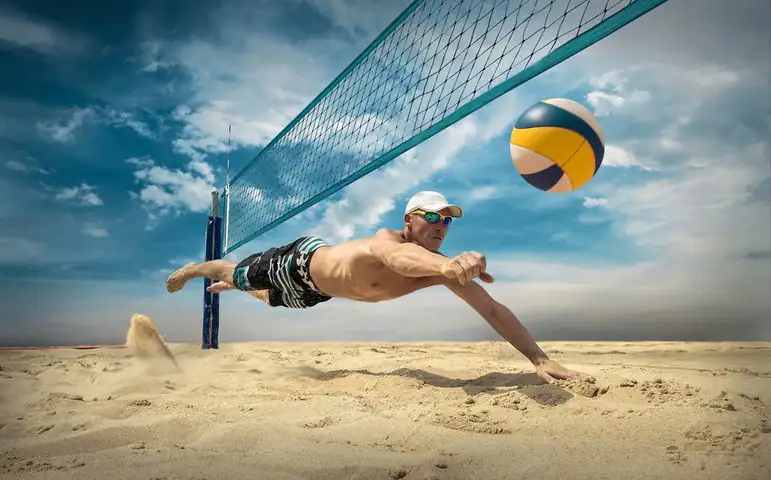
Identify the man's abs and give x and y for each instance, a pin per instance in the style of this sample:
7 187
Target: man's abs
351 271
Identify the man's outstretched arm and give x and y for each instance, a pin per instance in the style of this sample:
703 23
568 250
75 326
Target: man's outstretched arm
508 326
412 260
408 259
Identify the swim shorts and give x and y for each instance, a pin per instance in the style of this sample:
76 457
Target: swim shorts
285 272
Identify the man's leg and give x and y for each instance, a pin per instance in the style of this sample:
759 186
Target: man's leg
219 270
219 287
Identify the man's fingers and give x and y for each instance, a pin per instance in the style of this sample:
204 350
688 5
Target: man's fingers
467 265
472 268
459 273
480 265
470 265
477 262
486 277
481 259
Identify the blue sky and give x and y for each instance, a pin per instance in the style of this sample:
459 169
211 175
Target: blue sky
113 131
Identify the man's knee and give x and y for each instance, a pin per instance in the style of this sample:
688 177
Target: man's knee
241 280
274 298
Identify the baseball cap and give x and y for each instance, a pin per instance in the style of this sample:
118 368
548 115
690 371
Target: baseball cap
432 201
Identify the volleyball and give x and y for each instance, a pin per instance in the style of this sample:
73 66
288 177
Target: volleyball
557 145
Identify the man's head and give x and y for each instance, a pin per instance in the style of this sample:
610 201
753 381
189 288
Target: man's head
427 217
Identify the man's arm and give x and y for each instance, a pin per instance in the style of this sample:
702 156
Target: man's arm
408 259
500 318
412 260
509 327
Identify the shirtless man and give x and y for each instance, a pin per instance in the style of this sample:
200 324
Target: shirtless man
387 265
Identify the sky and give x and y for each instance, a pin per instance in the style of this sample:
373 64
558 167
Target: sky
114 128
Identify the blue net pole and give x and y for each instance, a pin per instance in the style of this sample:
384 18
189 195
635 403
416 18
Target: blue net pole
211 301
436 63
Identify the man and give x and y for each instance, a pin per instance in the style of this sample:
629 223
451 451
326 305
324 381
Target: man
387 265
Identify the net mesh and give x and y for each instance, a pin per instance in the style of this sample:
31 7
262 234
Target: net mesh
439 61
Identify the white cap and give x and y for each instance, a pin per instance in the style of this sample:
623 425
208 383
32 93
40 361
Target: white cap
433 202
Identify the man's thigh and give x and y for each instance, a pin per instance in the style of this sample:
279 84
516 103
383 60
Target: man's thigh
251 273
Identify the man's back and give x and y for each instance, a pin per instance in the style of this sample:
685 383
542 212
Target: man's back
354 270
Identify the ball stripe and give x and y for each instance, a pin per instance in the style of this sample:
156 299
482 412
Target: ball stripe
545 179
580 167
546 115
556 144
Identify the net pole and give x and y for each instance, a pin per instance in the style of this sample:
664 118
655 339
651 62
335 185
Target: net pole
211 304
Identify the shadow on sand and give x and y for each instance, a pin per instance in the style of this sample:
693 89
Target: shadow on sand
493 383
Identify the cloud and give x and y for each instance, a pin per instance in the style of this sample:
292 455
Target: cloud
20 30
114 117
62 129
613 94
698 221
737 34
150 56
205 129
258 65
483 193
257 95
595 202
82 194
63 125
700 210
357 18
619 157
94 231
25 168
172 191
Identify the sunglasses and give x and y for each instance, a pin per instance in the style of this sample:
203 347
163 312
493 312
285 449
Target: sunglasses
434 218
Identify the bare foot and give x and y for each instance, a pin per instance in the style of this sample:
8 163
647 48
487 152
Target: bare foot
220 287
178 279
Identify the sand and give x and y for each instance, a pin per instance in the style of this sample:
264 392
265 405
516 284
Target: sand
382 410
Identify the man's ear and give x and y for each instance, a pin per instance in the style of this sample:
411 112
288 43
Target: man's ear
407 219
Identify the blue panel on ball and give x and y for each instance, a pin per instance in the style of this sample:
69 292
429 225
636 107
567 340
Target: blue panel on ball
545 179
547 115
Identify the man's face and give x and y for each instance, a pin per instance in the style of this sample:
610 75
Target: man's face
426 234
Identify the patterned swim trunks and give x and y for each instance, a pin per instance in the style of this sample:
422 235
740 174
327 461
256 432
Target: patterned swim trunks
285 272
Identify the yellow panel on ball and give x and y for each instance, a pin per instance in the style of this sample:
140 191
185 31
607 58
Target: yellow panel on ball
556 144
580 167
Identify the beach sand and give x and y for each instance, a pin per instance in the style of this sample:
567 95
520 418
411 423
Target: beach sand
383 410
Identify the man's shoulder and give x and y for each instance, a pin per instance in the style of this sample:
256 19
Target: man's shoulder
386 234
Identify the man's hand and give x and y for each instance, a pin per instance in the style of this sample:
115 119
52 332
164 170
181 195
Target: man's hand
550 371
466 267
220 287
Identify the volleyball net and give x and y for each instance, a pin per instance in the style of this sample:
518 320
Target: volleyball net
437 62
